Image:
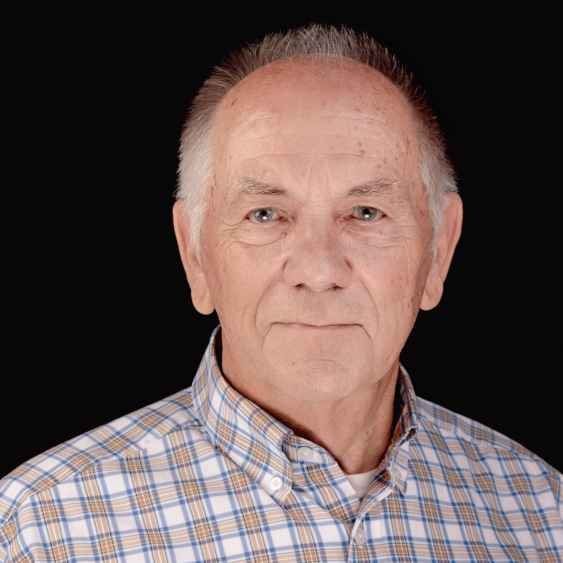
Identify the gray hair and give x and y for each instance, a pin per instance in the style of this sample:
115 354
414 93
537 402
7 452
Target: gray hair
195 170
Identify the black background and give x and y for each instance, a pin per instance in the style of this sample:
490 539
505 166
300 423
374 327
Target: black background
99 320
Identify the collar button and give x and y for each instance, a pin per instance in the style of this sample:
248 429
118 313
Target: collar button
275 484
307 454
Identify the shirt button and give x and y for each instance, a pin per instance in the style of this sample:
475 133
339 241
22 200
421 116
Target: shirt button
275 484
306 454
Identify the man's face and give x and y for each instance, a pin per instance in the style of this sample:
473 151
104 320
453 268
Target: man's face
315 255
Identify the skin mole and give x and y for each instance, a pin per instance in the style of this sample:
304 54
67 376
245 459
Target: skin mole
361 149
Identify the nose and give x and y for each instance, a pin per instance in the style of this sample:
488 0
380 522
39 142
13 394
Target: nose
315 257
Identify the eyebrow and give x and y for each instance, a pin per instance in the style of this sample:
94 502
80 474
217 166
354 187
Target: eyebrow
252 187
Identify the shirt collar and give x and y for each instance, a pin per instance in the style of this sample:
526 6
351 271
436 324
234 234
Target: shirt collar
262 445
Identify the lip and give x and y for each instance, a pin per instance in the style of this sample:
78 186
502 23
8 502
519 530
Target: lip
321 327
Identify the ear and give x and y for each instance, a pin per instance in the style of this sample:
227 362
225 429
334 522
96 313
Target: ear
446 241
201 296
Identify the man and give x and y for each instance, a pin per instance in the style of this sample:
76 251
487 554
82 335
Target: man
317 214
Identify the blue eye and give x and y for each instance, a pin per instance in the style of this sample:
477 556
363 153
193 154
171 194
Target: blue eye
376 212
257 213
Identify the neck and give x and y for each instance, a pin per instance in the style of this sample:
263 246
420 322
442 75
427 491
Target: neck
356 429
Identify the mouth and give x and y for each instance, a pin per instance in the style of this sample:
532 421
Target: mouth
319 327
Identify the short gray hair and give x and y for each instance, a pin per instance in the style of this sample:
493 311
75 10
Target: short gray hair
195 170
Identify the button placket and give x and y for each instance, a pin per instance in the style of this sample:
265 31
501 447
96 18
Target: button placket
359 537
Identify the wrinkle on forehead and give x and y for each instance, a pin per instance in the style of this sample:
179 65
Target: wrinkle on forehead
384 144
344 124
258 118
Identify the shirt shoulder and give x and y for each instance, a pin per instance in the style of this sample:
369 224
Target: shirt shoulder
141 432
482 450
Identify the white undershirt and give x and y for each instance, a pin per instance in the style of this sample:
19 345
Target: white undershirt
361 481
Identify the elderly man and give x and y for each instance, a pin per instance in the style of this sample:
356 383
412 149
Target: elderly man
317 214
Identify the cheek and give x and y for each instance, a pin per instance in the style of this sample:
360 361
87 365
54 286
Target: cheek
241 275
393 279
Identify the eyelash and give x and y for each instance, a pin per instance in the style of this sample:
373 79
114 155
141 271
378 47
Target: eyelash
382 215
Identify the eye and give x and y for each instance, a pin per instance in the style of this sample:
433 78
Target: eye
261 214
366 212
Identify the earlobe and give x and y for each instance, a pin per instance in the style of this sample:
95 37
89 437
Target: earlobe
200 294
446 242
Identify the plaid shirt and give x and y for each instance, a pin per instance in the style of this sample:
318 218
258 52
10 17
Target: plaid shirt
207 475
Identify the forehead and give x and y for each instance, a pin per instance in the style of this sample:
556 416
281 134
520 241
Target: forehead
344 116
